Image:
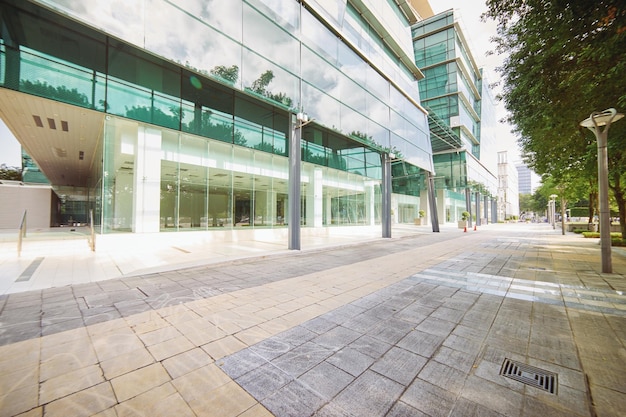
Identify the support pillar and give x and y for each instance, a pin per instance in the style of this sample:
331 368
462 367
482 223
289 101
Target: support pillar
432 201
295 163
486 208
147 181
386 196
477 196
468 205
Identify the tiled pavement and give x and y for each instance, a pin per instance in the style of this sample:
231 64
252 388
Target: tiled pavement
403 327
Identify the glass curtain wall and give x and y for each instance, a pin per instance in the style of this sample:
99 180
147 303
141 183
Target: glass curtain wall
166 180
199 140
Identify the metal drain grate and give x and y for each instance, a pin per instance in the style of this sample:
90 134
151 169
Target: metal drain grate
529 375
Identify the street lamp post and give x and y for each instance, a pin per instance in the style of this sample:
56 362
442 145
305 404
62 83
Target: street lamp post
295 161
593 123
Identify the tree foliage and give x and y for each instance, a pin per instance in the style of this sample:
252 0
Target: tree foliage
565 60
10 173
230 74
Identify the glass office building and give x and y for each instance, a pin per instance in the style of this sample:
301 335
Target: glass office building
464 144
179 115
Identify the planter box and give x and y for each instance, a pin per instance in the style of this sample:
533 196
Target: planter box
462 224
419 221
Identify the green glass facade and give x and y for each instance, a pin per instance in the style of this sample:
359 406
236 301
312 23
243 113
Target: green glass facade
454 89
197 108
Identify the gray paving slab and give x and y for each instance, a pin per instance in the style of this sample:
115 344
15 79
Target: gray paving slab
430 344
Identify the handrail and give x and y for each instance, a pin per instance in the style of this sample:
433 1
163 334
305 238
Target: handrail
92 239
22 233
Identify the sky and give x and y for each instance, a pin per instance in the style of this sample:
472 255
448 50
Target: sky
476 32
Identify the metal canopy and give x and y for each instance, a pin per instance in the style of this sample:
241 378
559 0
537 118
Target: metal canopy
442 137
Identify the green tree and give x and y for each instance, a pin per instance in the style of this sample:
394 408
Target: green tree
565 59
525 203
10 173
230 74
259 85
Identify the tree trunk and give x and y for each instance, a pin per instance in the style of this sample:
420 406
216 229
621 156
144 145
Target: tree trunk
593 199
618 193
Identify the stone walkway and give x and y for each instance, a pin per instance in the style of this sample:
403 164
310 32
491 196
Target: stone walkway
405 327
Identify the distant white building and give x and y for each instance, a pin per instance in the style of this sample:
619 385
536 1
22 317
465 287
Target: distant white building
508 191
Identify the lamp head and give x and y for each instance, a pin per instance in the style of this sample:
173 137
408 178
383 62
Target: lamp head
601 118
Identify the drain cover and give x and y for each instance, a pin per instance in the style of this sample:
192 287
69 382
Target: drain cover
529 375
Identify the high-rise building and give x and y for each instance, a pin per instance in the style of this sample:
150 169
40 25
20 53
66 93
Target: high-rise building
508 191
223 115
526 179
462 120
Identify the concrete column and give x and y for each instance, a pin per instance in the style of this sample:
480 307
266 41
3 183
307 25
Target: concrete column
468 205
147 181
477 196
295 162
433 203
386 196
486 208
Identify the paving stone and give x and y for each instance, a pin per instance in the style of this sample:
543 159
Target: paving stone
264 381
62 326
127 362
566 356
337 338
241 363
326 380
343 313
159 401
293 400
363 322
139 381
391 331
69 383
492 396
608 402
186 362
423 344
271 348
351 361
296 336
459 360
223 347
171 347
401 409
332 410
101 317
415 313
448 314
371 394
196 384
443 376
370 346
83 403
302 358
18 400
66 357
429 399
130 307
400 365
436 326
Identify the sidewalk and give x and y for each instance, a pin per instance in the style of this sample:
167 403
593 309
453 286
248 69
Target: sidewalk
416 325
61 256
